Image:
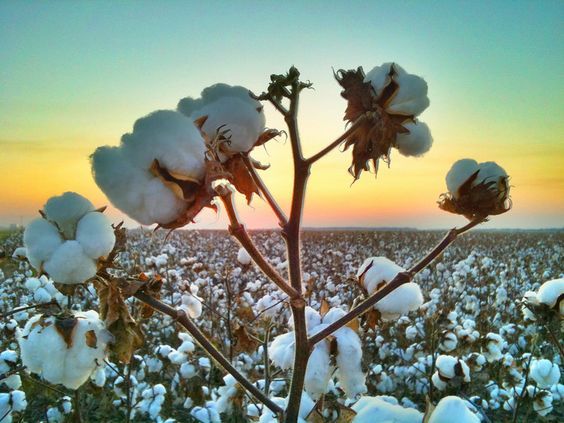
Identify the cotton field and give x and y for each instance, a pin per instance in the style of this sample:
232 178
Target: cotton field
476 335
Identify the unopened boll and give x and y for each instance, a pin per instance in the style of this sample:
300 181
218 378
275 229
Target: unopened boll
377 272
69 362
69 240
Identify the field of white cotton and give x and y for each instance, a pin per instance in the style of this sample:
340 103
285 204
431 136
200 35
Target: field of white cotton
479 337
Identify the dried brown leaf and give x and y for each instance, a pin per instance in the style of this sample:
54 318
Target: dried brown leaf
243 341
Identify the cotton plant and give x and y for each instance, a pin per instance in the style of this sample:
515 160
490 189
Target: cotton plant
69 239
165 171
11 402
450 371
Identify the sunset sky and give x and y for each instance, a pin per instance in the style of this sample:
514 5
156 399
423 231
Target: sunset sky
76 75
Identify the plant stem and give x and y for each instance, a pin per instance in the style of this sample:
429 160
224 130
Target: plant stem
282 219
338 141
400 279
201 338
291 234
238 231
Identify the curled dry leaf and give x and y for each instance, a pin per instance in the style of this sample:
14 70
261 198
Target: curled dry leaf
113 310
244 342
240 177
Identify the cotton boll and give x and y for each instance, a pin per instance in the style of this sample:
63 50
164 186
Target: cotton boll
376 272
243 257
20 253
96 235
544 373
406 298
550 292
32 284
41 296
349 357
69 264
126 173
70 366
376 409
417 142
318 370
411 97
490 172
41 239
281 351
542 403
379 77
451 406
459 173
66 210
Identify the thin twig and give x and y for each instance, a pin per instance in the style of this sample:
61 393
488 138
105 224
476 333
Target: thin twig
239 232
17 310
282 219
338 141
201 338
400 279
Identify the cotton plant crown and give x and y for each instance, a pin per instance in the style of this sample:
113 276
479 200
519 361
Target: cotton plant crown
175 163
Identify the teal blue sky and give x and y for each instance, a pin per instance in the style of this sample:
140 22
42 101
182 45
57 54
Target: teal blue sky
75 75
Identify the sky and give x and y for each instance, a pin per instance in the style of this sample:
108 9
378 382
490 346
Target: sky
76 75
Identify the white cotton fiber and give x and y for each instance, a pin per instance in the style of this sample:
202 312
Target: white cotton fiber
70 366
231 108
544 373
550 292
349 357
459 173
375 272
66 210
451 406
377 409
41 239
95 234
70 265
124 173
318 370
281 351
417 142
243 257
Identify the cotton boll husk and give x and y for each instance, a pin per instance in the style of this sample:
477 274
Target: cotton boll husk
41 239
349 357
550 292
96 235
66 210
281 351
68 366
459 173
318 370
544 373
451 406
375 409
417 142
69 264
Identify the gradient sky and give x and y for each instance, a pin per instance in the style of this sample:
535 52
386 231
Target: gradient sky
75 75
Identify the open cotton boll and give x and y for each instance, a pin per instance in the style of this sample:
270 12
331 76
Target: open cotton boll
69 264
544 373
550 292
490 172
411 97
71 365
376 272
406 298
14 401
349 357
229 108
452 406
281 351
243 257
20 253
96 235
41 239
66 210
417 142
318 370
126 173
459 173
376 409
